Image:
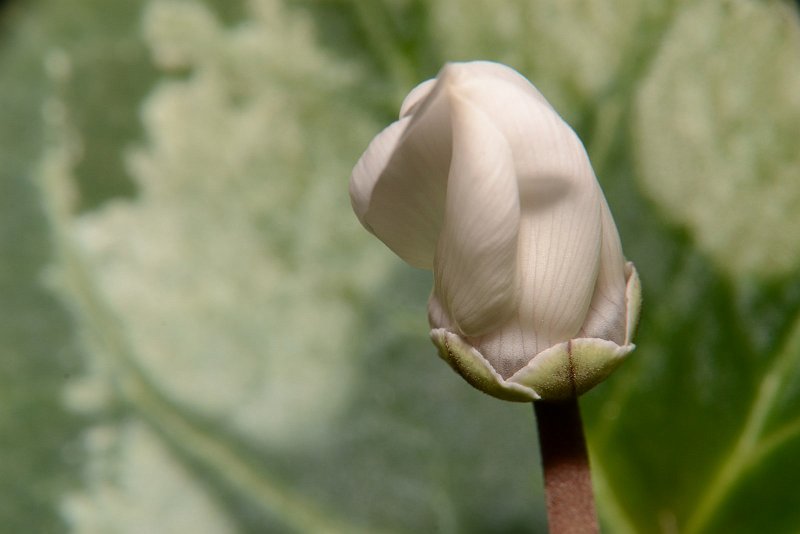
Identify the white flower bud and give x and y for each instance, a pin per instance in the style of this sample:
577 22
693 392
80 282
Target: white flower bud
482 181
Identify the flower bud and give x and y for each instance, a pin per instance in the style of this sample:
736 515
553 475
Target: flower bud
481 181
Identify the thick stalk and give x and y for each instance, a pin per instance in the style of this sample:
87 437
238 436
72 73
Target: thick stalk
567 478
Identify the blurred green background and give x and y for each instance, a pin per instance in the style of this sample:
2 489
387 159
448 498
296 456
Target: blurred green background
197 336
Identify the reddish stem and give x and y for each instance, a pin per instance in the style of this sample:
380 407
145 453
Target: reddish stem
567 477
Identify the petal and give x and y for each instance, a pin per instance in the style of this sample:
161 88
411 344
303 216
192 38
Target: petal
476 257
560 229
406 204
607 313
437 316
417 95
483 71
474 368
559 249
369 167
470 72
398 186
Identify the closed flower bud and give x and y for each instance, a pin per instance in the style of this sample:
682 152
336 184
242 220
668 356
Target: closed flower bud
481 181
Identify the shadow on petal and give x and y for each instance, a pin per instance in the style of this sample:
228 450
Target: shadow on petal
476 370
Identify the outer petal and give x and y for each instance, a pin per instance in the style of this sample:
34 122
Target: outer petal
474 368
406 205
370 167
561 216
476 258
398 186
606 318
560 230
437 316
417 95
489 71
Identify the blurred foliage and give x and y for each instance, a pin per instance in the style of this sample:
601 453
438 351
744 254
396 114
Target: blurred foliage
196 334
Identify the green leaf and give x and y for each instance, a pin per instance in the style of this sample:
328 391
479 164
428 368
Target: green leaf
230 351
716 131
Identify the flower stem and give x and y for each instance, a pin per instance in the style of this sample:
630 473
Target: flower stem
567 478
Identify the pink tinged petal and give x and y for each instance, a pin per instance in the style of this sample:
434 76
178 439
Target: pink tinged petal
476 257
406 205
607 314
560 248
